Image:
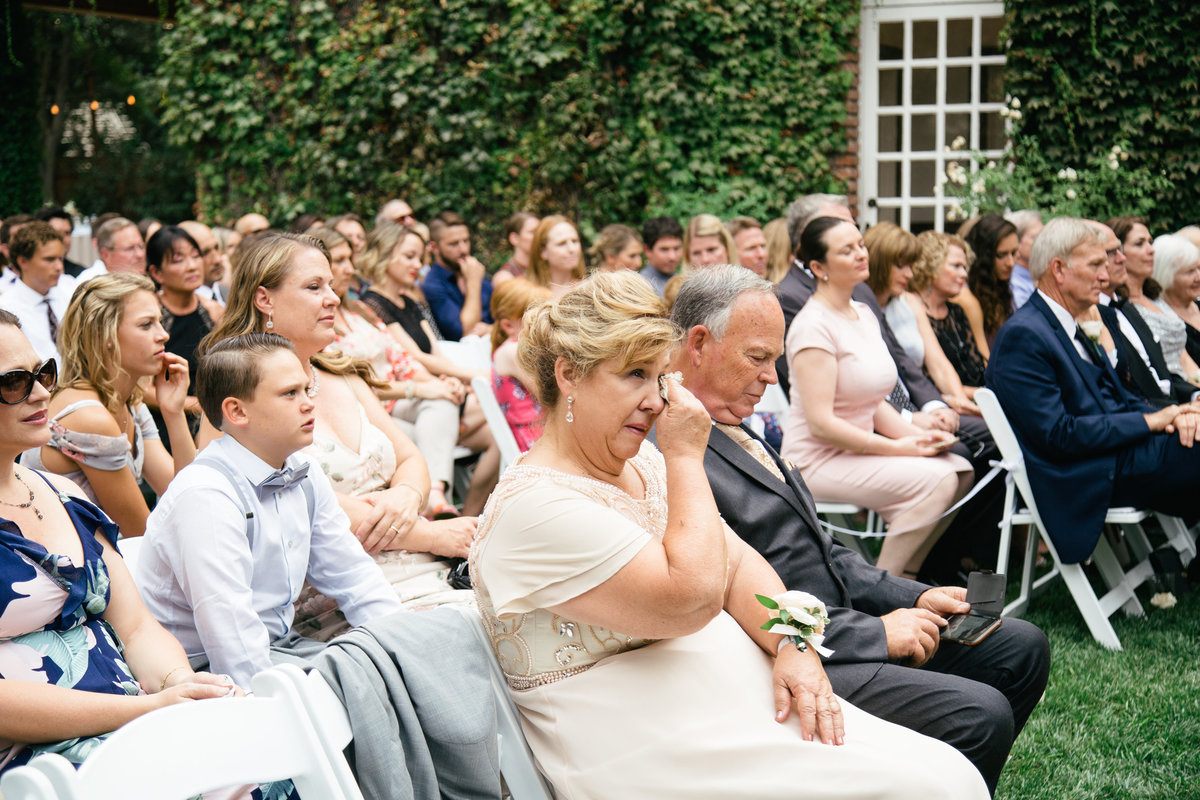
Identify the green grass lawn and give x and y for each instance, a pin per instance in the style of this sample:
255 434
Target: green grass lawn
1113 725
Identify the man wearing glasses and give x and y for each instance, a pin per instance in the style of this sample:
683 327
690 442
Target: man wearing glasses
121 250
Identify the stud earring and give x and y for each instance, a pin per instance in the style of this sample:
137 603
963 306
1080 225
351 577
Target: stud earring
825 278
270 320
570 413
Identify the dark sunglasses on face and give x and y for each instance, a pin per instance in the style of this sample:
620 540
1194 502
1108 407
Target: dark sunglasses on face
17 384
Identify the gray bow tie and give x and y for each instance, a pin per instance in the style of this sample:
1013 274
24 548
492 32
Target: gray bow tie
281 479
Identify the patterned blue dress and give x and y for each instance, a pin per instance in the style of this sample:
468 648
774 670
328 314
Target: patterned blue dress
52 629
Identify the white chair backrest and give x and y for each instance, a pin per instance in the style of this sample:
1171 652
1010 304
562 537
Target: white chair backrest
1006 442
471 352
189 748
501 432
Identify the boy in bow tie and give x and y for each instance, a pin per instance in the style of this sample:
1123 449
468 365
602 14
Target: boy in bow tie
229 545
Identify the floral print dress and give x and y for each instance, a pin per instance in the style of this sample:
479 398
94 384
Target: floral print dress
52 628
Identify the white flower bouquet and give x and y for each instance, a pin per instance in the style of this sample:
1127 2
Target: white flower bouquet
801 617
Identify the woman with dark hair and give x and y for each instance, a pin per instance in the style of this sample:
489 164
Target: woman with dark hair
518 230
173 261
850 445
988 299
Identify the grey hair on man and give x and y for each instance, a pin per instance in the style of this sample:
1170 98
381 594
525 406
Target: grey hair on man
1024 219
805 209
1058 239
104 236
708 295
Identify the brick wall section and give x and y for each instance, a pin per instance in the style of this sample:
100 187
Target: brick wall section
845 164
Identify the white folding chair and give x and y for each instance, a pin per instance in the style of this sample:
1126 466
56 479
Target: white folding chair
188 748
842 515
1020 508
501 432
517 763
471 352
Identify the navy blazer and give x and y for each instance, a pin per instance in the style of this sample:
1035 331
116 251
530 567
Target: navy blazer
779 520
1072 419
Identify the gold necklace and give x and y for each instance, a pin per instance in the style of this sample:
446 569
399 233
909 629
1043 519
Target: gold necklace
28 503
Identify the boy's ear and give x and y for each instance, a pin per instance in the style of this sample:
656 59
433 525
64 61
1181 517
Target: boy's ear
233 412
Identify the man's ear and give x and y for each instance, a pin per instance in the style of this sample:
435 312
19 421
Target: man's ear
697 337
1056 268
233 412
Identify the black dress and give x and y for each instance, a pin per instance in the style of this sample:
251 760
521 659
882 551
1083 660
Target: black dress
408 316
954 335
1193 341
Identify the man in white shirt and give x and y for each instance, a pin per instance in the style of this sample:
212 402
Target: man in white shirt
121 250
39 299
224 582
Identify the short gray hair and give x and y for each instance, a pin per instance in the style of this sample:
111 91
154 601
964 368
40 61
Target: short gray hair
805 209
1172 253
708 295
106 232
1023 219
1060 236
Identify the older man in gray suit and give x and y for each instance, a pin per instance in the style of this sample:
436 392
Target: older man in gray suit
884 630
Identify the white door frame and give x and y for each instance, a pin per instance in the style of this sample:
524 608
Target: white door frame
875 12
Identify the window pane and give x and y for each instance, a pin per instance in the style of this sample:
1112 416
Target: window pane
924 88
958 125
889 134
924 132
991 83
952 218
924 39
992 136
891 215
958 38
923 178
921 218
991 44
889 179
958 84
891 87
891 41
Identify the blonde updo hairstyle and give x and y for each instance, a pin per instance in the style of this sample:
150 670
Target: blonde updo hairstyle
609 316
373 261
87 338
934 248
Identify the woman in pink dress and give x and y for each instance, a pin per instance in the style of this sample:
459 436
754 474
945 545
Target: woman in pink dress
848 442
510 383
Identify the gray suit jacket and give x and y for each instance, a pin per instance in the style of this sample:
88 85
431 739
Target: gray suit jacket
780 521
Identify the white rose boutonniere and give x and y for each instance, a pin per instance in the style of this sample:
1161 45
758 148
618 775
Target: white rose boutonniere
801 617
1092 329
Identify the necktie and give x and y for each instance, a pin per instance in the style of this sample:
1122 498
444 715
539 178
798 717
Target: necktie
1089 347
282 479
753 447
52 319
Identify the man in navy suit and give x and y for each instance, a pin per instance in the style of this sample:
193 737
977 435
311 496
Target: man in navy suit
884 630
1089 443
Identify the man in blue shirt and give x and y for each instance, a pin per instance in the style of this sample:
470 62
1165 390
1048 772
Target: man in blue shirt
457 286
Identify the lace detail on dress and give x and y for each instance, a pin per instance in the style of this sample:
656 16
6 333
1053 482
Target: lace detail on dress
542 647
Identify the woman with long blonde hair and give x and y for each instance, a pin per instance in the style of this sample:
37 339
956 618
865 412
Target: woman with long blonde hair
101 434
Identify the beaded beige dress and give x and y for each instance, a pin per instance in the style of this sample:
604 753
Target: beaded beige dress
614 716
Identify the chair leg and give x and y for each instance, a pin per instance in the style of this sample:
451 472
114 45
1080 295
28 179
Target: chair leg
1119 581
1179 536
1089 606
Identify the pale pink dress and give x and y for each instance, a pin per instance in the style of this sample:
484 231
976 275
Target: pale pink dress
866 375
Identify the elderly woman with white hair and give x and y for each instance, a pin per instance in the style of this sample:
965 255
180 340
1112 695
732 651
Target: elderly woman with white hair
1177 270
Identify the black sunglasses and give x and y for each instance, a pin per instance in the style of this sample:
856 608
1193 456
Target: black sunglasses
17 384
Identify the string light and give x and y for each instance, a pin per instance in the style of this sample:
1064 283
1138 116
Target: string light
130 100
95 105
54 109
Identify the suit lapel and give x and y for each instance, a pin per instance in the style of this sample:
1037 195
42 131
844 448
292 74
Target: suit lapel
1072 354
1153 350
743 462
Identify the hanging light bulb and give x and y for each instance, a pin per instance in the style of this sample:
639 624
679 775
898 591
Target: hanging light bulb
54 110
130 100
95 105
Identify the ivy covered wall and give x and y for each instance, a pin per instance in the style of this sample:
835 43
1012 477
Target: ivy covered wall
1091 73
605 110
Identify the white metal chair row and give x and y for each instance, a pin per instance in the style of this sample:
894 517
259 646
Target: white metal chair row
1020 508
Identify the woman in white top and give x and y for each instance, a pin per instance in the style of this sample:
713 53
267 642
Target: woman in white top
101 433
892 251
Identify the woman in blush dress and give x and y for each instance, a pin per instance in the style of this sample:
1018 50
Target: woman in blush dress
850 445
623 611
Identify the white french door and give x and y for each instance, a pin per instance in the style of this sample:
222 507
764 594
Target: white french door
929 73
